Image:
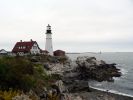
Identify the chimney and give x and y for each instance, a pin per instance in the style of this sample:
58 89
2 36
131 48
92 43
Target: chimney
31 40
20 40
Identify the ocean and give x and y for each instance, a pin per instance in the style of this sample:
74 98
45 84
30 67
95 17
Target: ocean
122 85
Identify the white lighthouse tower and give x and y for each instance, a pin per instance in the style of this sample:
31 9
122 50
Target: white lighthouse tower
48 45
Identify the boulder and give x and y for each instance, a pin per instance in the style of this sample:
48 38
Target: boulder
60 86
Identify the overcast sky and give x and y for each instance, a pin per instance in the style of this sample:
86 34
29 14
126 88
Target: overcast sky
77 25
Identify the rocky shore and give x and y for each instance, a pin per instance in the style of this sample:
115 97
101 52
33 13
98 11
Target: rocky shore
60 78
100 95
75 76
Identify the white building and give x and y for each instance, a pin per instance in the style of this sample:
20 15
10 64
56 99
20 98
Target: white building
26 47
3 52
48 45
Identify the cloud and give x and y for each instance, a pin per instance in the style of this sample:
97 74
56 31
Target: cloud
98 23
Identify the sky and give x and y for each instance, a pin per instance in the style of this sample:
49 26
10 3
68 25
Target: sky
77 25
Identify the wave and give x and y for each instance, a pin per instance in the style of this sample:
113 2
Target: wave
112 91
123 71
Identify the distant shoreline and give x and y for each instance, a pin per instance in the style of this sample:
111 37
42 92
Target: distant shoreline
82 52
94 52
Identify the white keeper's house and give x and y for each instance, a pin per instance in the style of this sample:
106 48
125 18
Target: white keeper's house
26 47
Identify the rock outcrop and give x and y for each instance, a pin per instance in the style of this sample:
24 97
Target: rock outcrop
75 76
90 68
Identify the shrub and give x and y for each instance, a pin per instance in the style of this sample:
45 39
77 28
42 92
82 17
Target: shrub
17 73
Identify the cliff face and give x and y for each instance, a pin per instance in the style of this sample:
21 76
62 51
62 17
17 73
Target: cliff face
76 74
82 70
86 68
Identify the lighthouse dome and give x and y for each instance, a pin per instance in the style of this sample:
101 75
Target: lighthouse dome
48 31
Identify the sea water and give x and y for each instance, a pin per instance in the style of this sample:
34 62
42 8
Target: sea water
124 60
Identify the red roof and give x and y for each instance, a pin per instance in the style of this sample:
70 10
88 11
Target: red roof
59 51
23 46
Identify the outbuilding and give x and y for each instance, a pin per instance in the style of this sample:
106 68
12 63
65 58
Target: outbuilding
3 52
59 53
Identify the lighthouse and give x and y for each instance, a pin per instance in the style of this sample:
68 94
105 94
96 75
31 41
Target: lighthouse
48 45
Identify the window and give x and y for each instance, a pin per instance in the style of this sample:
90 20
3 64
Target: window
34 47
